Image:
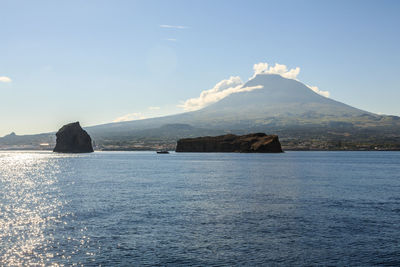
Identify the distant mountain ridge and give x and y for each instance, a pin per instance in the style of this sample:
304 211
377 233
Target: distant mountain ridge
283 106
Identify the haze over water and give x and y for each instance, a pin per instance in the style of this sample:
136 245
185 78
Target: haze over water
140 208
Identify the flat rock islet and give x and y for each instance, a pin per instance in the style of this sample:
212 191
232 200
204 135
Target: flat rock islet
250 143
71 138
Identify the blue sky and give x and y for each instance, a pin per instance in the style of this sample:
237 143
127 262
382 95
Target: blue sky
99 61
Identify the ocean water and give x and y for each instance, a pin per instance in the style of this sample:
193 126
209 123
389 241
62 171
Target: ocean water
145 209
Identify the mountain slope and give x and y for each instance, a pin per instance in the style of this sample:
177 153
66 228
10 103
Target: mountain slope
281 102
280 97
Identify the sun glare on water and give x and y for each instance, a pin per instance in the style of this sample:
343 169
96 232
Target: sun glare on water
30 208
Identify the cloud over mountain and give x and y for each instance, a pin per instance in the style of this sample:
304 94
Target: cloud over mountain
316 89
222 89
263 68
235 85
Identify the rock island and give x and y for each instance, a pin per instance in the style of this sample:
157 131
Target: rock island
250 143
71 138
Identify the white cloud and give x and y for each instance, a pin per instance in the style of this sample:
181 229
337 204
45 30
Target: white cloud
316 89
171 39
218 92
173 26
154 108
130 117
5 79
263 68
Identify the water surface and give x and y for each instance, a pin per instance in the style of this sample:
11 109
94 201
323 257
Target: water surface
142 208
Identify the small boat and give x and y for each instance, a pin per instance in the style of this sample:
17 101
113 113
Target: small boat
163 152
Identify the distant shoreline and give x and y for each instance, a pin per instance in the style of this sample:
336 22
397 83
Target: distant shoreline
147 150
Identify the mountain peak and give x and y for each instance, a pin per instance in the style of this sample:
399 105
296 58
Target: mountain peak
279 98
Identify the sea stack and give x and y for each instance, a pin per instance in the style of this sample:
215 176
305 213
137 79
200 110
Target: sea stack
71 138
250 143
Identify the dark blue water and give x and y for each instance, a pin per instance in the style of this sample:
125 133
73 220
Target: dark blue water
140 208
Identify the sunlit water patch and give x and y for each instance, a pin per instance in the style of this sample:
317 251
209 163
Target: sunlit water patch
31 210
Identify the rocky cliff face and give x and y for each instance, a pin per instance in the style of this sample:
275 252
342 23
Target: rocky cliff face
71 138
251 143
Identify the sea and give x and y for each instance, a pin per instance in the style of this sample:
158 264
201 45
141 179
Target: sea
200 209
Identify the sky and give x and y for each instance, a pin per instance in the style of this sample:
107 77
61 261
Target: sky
103 61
